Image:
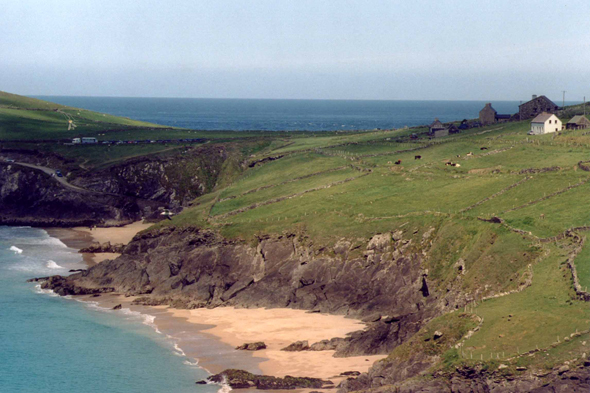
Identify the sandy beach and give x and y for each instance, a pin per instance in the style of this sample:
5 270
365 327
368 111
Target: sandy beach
278 328
80 237
114 235
211 335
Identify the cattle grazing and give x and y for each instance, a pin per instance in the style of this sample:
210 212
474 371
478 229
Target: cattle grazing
483 148
417 157
398 162
389 162
458 155
542 216
448 163
455 164
469 154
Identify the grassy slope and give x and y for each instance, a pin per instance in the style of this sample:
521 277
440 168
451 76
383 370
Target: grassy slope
29 118
419 194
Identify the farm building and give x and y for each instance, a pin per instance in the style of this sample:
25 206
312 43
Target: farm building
579 122
544 124
488 115
536 106
437 129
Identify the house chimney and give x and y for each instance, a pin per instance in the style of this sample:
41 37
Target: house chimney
534 96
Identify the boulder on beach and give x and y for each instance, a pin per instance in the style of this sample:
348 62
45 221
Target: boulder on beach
240 379
252 346
297 346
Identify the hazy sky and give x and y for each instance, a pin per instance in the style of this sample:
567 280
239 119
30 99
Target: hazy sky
340 49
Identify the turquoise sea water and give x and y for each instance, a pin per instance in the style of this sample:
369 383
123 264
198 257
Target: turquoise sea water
54 344
288 115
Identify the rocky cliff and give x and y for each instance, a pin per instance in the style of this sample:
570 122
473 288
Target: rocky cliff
477 380
381 280
117 195
172 181
31 197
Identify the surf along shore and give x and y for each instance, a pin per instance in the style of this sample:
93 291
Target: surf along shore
210 336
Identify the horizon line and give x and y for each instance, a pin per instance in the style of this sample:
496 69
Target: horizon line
283 99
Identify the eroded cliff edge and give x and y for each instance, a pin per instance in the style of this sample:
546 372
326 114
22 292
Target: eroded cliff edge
382 279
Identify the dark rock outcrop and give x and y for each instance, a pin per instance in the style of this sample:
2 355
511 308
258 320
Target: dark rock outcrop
468 380
328 345
31 197
252 346
171 181
96 248
118 195
239 379
297 346
189 268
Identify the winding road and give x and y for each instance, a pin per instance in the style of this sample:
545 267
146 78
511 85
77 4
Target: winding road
52 173
64 182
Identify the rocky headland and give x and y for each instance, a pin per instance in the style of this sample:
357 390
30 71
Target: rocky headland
198 268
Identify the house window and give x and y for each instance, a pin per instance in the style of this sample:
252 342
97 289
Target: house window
549 121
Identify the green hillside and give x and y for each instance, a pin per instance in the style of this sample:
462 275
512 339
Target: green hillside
24 118
348 185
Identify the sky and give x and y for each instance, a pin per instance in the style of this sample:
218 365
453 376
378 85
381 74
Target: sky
301 49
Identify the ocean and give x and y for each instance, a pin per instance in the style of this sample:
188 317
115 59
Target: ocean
54 344
287 115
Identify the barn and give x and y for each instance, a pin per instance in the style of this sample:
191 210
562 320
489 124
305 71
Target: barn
578 122
545 123
536 106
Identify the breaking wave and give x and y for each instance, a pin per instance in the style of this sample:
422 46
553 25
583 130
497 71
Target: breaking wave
225 388
16 249
52 265
49 292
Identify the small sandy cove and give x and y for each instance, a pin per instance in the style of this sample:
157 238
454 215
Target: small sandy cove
114 235
277 328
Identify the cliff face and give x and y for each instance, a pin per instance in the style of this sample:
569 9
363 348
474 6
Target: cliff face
190 268
470 380
118 195
31 197
173 181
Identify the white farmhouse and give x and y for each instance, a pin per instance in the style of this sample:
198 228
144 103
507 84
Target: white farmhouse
544 124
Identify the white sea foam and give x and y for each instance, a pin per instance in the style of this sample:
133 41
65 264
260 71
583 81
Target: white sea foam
16 250
49 292
52 241
189 363
52 265
178 350
147 318
225 388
